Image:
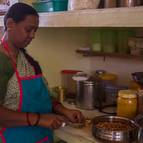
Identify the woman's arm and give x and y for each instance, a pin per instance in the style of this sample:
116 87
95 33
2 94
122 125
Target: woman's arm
9 118
72 115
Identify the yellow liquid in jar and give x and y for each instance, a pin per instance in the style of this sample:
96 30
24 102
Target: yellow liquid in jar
126 107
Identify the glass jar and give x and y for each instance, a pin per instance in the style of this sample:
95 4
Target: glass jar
127 103
68 83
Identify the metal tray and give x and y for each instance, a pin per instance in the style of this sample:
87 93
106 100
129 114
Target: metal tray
119 136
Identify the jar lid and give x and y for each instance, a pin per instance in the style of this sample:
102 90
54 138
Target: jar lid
127 93
108 76
90 82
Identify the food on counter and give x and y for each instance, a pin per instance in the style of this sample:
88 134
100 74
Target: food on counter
114 126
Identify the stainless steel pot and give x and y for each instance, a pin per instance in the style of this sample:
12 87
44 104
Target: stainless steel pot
87 94
110 3
139 121
129 3
121 135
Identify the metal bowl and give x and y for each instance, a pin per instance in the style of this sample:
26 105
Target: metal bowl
139 121
108 135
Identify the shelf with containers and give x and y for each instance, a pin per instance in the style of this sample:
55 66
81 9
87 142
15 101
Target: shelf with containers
114 42
112 17
109 17
101 54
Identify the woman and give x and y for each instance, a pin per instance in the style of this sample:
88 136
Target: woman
26 108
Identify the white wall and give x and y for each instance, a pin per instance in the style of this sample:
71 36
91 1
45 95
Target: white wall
54 48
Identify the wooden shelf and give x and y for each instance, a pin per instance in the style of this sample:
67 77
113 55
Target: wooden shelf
101 54
109 17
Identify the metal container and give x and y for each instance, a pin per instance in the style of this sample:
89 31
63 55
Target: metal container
129 3
87 92
121 136
139 121
110 3
108 98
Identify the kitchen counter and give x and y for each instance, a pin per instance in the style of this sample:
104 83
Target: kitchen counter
76 135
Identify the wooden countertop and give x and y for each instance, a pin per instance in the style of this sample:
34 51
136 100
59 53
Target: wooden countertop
76 135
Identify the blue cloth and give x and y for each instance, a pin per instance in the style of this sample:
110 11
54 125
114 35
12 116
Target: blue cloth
35 99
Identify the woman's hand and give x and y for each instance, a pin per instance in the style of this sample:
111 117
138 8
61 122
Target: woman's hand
52 121
74 115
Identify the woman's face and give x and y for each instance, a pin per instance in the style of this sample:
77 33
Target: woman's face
22 33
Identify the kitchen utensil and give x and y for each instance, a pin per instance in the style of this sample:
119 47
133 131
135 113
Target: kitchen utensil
73 125
87 94
115 129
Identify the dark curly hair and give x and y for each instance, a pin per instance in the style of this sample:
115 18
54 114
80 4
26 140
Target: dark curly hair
18 12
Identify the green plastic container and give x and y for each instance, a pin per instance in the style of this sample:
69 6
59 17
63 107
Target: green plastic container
60 5
43 6
51 5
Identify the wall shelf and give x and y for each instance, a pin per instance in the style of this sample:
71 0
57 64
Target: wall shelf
102 54
109 17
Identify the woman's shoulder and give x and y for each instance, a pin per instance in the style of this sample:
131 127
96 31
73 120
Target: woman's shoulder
2 51
5 64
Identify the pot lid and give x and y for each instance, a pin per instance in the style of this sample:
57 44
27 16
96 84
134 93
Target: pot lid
127 93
